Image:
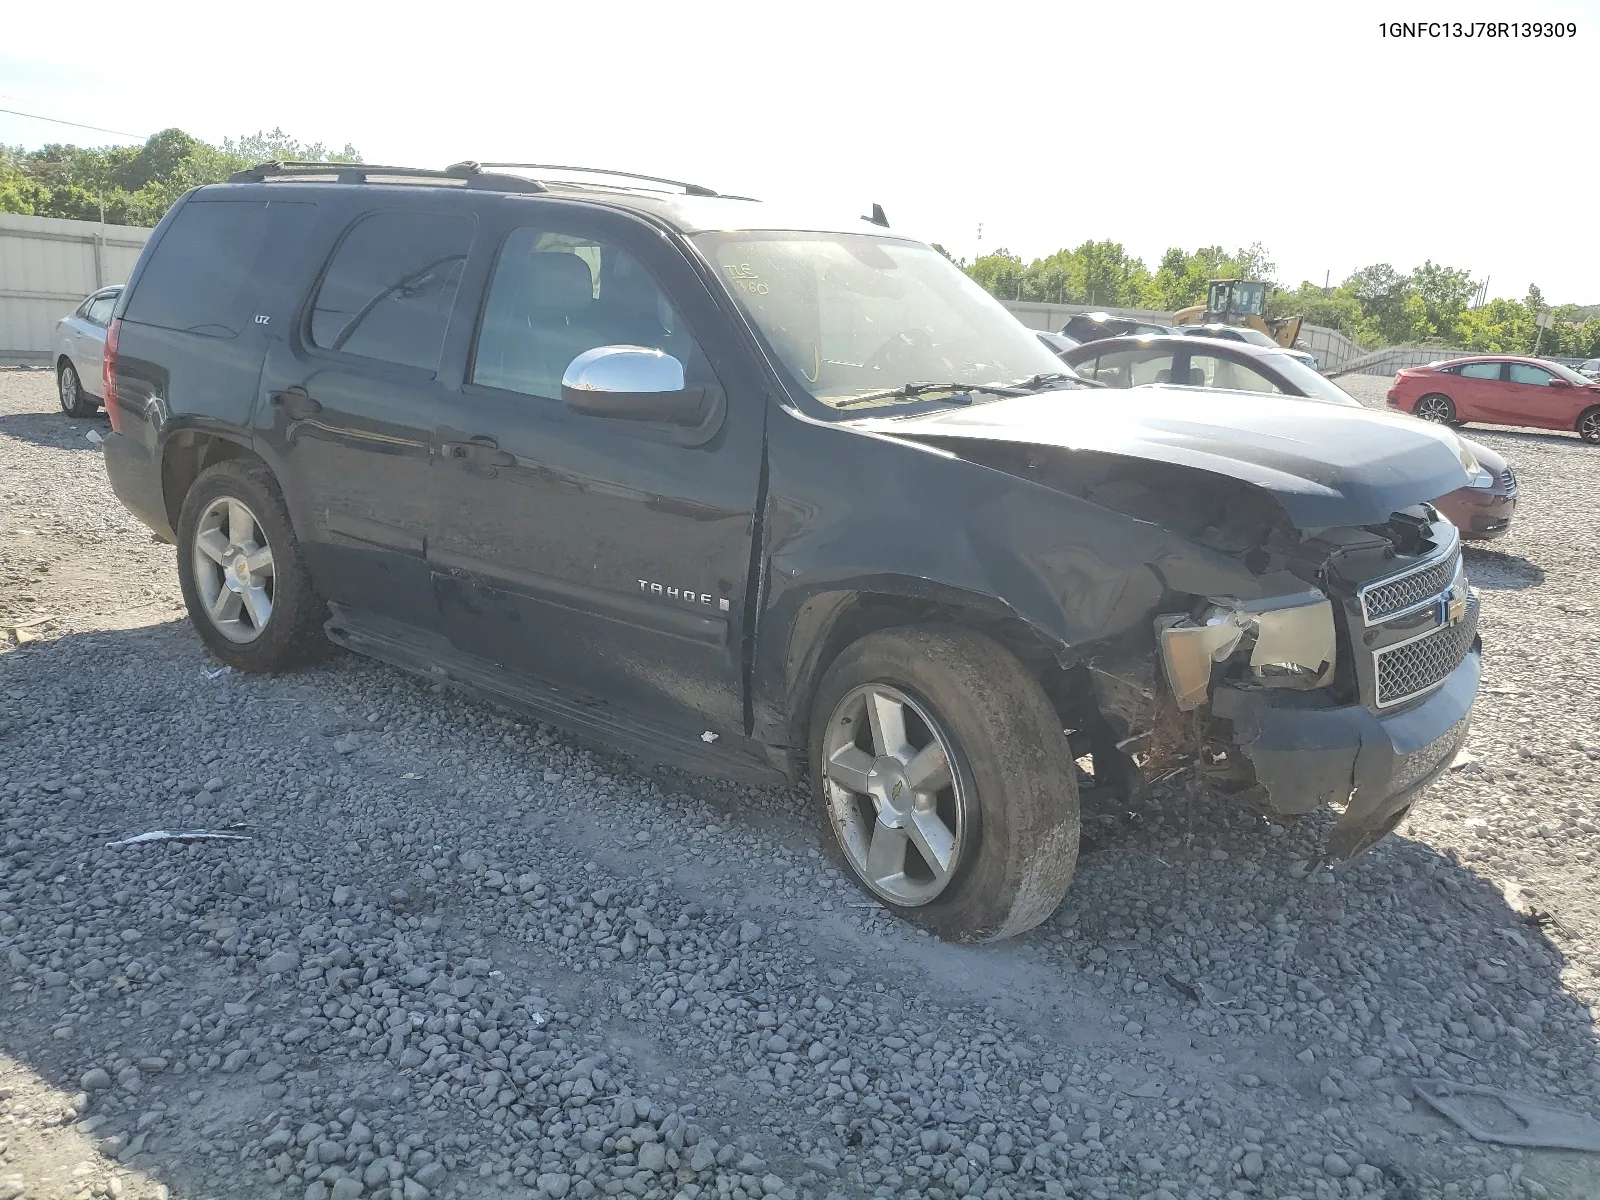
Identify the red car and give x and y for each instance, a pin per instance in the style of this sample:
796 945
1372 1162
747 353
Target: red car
1500 390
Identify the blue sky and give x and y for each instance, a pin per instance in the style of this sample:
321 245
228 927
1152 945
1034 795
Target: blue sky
1157 124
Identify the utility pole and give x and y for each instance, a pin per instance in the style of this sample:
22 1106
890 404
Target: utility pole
1326 276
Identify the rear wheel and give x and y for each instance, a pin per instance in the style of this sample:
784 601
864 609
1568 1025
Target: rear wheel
1436 407
75 402
1589 424
945 782
243 577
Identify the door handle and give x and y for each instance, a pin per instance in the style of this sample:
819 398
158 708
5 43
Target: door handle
480 451
296 402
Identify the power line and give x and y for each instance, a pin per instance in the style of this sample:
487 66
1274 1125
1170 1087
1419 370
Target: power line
75 124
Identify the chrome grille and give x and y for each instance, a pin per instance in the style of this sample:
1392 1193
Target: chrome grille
1508 480
1414 667
1391 597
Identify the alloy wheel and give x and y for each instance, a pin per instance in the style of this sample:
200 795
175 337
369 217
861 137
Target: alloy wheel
1434 408
901 812
69 389
1589 426
233 570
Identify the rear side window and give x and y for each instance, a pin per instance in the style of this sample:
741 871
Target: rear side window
390 288
206 274
1480 370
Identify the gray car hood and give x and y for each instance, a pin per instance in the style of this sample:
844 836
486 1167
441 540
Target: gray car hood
1326 464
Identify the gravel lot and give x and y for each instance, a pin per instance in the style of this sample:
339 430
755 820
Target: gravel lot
464 956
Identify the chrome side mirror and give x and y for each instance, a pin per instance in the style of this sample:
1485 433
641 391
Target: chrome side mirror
632 383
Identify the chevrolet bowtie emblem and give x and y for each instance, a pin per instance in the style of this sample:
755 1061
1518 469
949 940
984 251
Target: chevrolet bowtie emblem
1452 608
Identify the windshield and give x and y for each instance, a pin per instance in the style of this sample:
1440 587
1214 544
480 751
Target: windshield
1317 386
855 314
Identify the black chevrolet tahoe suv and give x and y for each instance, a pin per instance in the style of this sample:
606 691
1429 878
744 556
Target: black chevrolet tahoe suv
729 486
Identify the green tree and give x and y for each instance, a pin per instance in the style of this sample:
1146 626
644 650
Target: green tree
1105 273
278 146
999 273
1251 262
133 185
1444 292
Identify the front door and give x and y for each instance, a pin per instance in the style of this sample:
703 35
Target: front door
351 401
608 557
1531 398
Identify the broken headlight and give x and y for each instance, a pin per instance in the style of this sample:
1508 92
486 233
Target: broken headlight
1477 476
1280 641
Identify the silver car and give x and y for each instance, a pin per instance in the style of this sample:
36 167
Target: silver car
80 345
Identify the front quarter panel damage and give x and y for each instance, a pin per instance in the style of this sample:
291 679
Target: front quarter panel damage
863 512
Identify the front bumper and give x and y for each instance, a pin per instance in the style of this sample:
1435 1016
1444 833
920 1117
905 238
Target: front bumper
1481 514
1348 757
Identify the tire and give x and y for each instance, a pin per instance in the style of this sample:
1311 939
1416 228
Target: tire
1588 425
1010 803
226 499
1436 406
75 402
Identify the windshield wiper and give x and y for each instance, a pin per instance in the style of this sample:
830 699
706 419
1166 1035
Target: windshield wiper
1034 382
961 393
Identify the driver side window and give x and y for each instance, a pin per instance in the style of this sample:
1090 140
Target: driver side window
556 295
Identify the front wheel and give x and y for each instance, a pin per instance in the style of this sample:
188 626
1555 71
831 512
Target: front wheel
1434 407
75 402
243 577
945 781
1589 425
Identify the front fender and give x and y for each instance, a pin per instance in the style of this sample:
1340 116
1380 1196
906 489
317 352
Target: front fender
853 512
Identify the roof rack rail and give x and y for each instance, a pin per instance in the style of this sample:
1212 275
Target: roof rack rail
467 174
691 189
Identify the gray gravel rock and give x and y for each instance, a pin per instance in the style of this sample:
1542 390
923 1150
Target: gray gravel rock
433 971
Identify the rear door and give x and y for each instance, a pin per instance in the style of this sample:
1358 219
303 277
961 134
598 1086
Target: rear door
611 558
192 339
1478 392
352 395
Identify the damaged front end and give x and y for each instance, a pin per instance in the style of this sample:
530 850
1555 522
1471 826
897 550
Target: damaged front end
1349 685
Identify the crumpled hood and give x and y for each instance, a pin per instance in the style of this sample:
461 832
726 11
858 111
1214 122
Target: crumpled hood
1327 465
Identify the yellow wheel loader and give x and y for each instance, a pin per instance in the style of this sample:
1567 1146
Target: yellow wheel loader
1239 302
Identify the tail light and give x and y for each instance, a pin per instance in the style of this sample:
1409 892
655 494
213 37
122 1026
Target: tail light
108 375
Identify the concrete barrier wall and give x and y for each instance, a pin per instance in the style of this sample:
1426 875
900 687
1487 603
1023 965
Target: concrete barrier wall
47 267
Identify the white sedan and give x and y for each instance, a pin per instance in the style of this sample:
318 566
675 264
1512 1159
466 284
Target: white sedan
80 344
